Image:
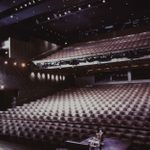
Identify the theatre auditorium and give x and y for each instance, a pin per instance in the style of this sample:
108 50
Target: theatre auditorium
74 74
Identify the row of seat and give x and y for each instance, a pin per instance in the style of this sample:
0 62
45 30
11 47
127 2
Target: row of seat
123 107
54 132
123 43
125 102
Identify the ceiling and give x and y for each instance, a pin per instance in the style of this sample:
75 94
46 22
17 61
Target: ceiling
69 21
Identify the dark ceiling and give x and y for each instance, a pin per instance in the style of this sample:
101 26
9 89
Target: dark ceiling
69 21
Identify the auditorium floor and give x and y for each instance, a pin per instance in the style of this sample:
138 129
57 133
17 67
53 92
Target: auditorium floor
5 145
12 146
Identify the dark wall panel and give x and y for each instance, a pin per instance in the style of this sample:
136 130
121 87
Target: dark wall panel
27 49
85 80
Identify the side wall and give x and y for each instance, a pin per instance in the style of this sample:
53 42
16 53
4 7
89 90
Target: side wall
31 48
15 77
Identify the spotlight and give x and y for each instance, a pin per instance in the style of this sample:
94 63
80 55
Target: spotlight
79 8
21 7
56 78
103 1
63 78
5 62
60 78
38 75
23 65
15 63
65 13
89 5
11 16
32 75
48 76
43 76
52 77
2 87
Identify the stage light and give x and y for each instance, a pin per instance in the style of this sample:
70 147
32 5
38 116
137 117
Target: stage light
2 87
63 78
89 5
38 75
11 16
104 1
23 65
56 78
15 63
60 78
65 13
43 76
79 8
5 62
48 76
32 75
52 77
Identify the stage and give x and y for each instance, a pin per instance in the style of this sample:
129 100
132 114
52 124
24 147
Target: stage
109 144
